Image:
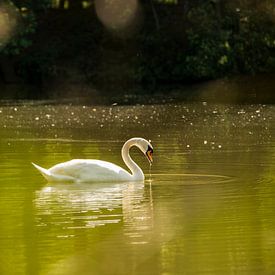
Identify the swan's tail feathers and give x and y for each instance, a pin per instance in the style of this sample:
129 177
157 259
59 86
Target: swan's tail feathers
52 177
45 173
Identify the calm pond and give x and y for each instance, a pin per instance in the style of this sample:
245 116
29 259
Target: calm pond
207 205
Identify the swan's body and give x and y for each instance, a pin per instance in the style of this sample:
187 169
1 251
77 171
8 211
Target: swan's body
90 170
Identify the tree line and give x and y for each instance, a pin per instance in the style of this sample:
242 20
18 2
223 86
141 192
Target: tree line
147 42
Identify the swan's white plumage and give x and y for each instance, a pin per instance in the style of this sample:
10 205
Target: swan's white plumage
89 170
49 176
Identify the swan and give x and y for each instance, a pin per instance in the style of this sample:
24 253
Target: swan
93 170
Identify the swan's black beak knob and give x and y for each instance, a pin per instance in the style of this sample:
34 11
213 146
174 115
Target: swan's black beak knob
149 154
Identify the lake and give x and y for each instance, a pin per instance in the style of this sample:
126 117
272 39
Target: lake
206 207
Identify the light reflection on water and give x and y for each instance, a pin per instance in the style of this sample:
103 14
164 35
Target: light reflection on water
207 205
96 204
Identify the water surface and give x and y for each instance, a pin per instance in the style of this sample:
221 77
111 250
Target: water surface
207 205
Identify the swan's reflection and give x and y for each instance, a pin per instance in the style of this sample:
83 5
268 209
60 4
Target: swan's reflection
82 206
137 206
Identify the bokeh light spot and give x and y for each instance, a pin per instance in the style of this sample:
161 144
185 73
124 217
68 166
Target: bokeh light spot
8 19
117 14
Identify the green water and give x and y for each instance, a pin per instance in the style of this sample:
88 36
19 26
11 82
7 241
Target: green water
207 205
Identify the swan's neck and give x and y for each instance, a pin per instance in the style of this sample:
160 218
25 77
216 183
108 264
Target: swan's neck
137 173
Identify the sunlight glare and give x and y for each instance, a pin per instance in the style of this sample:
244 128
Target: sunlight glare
117 14
8 20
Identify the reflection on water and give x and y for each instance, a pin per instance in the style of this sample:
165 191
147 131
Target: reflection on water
86 205
207 205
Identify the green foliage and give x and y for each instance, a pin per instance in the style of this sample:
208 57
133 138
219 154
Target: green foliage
23 29
254 45
26 23
220 40
191 41
22 38
208 47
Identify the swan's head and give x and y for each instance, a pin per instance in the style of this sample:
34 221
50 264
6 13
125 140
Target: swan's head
146 147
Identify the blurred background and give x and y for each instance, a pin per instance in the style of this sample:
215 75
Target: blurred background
73 48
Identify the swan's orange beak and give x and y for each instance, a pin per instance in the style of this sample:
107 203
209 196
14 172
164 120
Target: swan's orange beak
149 154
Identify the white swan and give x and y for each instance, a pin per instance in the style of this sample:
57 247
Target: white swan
90 170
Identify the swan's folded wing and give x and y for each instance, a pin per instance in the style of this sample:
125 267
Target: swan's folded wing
91 170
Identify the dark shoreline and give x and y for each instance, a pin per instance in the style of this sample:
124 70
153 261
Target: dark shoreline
240 90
